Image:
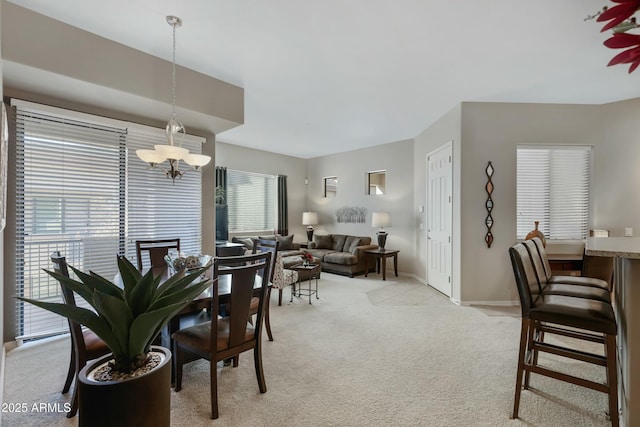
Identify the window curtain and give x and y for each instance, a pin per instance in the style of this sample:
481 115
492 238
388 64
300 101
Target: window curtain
222 210
283 206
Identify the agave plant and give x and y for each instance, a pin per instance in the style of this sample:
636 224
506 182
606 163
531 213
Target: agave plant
127 319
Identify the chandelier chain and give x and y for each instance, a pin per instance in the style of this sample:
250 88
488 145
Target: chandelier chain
173 74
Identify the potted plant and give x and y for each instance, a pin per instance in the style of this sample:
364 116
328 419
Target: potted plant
133 386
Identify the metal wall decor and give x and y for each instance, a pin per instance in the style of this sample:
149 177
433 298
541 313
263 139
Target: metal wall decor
489 205
351 214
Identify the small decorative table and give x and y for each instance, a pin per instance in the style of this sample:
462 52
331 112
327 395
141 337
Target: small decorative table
380 256
313 272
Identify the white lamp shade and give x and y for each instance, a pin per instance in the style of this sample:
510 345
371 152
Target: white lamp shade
150 156
309 218
380 219
197 160
171 152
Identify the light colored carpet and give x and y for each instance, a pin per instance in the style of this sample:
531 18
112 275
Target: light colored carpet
367 352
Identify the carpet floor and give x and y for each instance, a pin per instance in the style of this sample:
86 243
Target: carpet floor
367 352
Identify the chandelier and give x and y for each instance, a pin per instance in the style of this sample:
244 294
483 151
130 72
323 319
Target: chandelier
173 152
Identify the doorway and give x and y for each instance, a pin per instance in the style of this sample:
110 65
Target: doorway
440 218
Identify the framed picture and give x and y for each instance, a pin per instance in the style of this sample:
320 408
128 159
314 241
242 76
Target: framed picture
4 163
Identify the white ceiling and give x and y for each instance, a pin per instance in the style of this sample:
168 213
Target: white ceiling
322 77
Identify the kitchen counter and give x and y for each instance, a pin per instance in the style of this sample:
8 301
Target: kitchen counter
626 254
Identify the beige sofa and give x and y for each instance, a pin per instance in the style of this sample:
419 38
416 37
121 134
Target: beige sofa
340 253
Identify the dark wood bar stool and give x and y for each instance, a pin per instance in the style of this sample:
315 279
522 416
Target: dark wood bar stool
579 318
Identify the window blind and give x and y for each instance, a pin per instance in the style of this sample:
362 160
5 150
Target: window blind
156 207
553 187
81 190
251 200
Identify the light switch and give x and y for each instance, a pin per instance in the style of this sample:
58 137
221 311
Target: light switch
628 232
421 208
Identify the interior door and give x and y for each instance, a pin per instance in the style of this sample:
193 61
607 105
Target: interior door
439 218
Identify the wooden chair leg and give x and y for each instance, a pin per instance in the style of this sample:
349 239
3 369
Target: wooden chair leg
213 371
267 322
177 367
257 357
236 360
79 364
534 334
612 378
280 296
72 370
524 337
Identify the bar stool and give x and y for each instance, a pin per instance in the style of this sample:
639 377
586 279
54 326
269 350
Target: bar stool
580 318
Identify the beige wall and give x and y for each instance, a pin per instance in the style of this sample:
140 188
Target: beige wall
491 132
616 182
251 160
351 169
2 257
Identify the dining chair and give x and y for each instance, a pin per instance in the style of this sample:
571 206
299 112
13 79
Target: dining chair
85 345
265 245
157 249
232 335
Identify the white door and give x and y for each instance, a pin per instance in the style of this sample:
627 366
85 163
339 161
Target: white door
439 218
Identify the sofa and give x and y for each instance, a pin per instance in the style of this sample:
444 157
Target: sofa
340 253
336 253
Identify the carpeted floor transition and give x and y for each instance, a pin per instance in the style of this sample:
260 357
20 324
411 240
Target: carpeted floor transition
368 352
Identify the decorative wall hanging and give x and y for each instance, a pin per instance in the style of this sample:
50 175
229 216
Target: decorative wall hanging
489 205
351 214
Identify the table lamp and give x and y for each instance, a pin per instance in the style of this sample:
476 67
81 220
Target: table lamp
381 219
309 219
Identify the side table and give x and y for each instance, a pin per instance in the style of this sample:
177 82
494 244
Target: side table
313 271
380 256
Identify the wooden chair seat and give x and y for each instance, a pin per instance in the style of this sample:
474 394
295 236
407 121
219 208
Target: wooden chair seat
197 337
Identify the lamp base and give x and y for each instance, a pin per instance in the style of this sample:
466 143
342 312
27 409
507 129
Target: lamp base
309 234
382 239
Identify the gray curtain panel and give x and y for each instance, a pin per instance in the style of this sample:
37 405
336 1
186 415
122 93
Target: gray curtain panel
222 211
283 206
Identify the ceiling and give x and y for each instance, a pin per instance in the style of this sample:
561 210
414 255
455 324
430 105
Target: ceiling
323 77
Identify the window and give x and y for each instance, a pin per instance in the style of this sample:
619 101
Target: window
553 185
81 190
330 186
251 200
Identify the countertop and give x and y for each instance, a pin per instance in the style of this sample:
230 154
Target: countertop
623 247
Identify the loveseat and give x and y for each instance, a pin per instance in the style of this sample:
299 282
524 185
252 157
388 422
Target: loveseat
340 253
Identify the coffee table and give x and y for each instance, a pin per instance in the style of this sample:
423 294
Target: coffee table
313 272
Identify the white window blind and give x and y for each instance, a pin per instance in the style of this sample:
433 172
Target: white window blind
81 190
156 208
251 200
553 187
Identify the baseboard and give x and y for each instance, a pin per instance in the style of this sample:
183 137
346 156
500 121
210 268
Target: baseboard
494 303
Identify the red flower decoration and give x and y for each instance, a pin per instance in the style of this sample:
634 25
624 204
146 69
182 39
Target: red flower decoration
629 56
619 13
307 257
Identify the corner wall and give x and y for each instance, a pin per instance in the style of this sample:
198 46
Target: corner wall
351 168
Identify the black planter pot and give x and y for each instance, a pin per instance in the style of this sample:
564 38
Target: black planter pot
139 401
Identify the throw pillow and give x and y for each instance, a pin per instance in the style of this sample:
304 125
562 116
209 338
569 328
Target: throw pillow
351 244
337 242
271 237
286 242
246 241
322 242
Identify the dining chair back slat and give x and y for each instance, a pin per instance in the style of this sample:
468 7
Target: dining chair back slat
155 250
